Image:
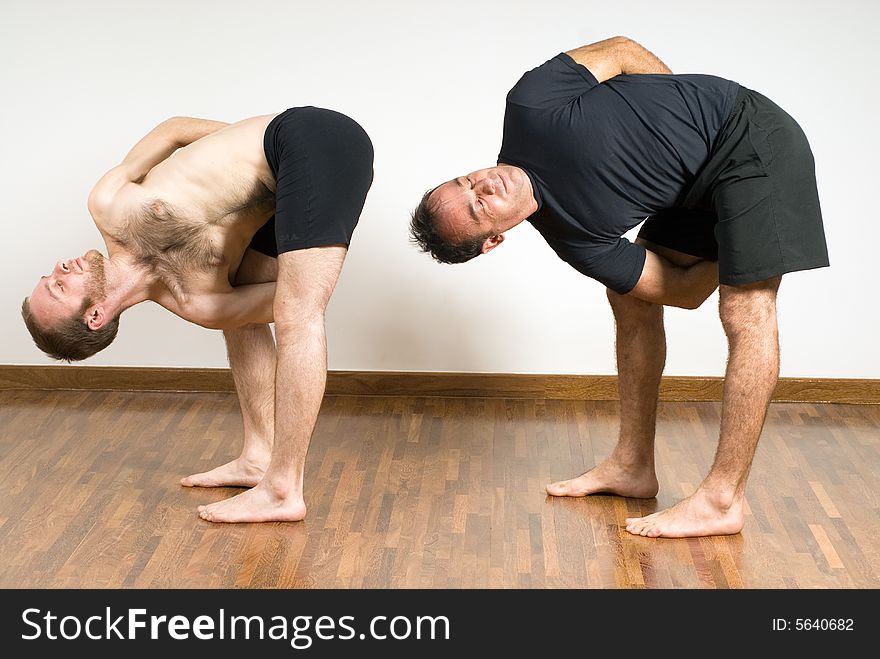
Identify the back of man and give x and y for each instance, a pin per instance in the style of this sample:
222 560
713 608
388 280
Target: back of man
603 157
191 217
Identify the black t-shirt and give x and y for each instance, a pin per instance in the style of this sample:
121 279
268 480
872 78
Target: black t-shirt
603 157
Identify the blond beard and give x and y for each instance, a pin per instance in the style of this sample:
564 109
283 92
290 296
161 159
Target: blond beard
97 287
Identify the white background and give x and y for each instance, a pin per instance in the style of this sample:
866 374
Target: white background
82 81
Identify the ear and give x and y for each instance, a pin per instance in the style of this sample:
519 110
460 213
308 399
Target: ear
491 243
95 317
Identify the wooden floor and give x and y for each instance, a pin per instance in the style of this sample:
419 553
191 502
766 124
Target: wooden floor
422 493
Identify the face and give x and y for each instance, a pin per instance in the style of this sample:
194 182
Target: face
486 201
68 288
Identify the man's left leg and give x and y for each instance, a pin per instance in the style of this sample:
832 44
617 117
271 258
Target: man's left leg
251 353
306 279
748 314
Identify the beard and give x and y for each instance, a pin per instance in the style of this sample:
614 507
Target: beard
97 286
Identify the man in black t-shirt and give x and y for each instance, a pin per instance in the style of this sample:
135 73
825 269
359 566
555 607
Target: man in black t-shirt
602 138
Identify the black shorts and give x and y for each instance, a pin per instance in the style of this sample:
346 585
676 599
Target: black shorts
754 207
323 166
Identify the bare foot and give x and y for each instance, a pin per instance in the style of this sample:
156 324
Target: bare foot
699 515
260 504
612 478
241 472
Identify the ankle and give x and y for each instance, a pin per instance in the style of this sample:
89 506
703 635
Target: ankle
720 495
632 460
282 487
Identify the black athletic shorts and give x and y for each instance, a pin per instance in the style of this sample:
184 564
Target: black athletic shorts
323 166
754 206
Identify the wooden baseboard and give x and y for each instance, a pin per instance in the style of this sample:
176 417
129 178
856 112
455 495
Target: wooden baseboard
403 383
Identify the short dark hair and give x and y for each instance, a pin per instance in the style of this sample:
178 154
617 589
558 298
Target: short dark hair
423 232
71 340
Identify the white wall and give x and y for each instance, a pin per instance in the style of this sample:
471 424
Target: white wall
82 81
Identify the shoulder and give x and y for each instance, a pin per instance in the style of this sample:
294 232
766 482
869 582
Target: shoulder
555 82
113 198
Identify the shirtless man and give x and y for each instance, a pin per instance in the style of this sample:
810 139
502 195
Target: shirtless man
230 227
726 181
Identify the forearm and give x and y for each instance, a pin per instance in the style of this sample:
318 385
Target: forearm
635 58
156 146
671 285
251 304
186 130
611 57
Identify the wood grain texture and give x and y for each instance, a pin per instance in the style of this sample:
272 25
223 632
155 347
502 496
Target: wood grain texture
396 383
424 493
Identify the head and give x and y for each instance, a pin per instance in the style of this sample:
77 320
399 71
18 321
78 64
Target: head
467 216
65 312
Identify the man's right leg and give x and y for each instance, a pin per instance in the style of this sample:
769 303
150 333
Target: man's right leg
251 351
641 356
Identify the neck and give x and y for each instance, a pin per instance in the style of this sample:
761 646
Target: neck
532 203
528 206
127 283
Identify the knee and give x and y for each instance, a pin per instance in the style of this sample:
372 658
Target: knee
745 315
300 322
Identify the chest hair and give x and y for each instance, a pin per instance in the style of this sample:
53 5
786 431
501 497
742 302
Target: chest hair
172 247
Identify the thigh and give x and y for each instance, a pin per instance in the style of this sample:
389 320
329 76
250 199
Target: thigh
306 279
256 268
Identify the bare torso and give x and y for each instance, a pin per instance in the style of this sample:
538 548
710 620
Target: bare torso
193 215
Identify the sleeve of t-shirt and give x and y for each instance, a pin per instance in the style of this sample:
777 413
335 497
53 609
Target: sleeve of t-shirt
556 82
617 263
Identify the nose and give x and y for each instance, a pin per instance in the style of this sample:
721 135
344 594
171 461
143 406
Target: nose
486 186
62 267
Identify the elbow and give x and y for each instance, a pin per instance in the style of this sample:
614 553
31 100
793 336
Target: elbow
208 316
212 323
696 301
620 43
704 283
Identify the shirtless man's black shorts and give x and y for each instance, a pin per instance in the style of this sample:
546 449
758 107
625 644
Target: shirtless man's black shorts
323 166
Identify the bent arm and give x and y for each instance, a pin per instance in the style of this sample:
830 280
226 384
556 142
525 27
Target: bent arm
664 283
615 56
162 141
153 148
242 305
